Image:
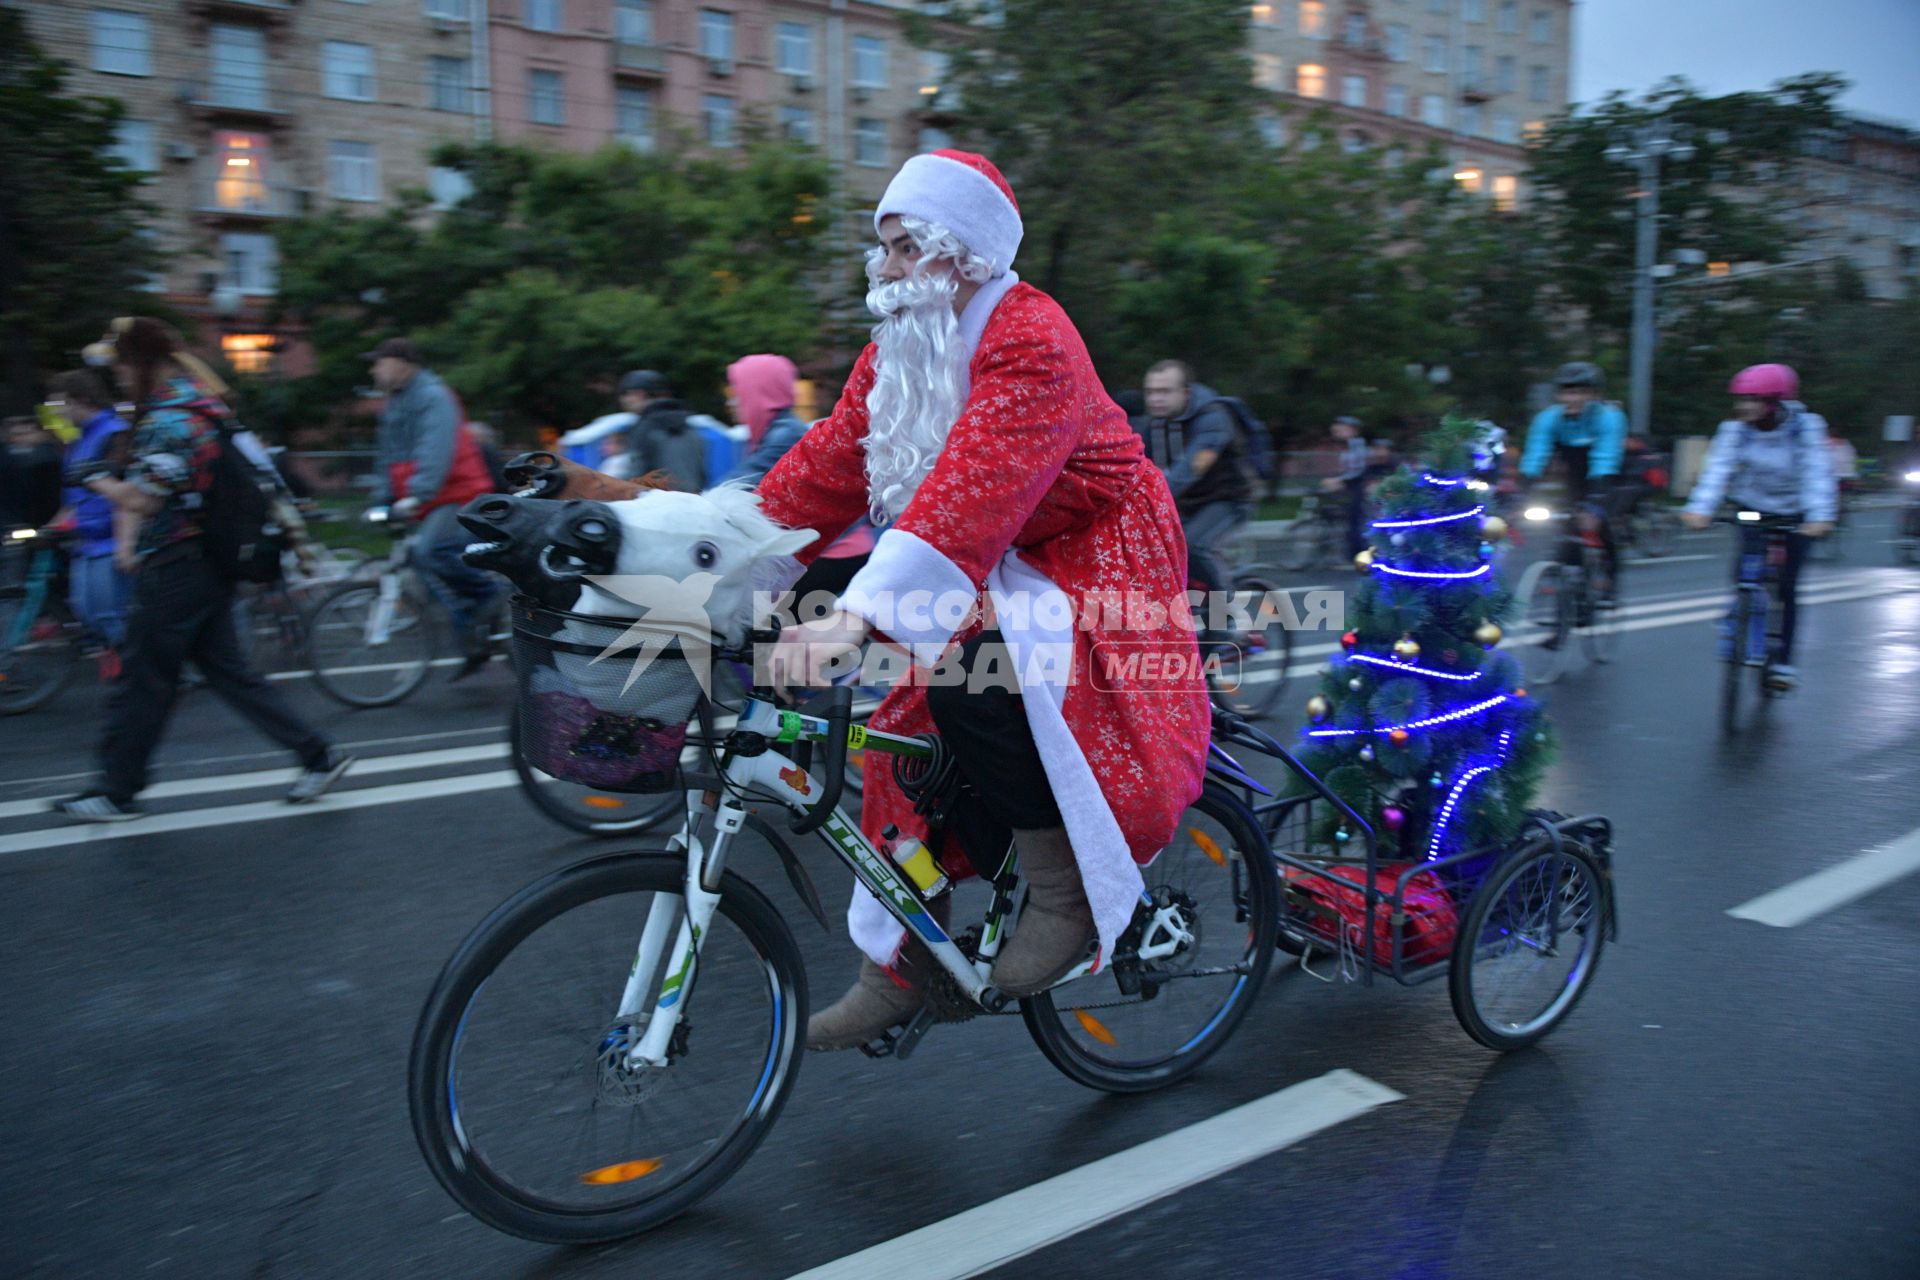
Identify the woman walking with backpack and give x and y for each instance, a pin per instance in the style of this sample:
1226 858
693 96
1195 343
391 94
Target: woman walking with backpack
182 591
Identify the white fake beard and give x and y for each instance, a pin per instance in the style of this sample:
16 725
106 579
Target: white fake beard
920 387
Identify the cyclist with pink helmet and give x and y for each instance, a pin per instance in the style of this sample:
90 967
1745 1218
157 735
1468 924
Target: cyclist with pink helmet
1770 457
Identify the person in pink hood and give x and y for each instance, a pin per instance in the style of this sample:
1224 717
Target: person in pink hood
761 389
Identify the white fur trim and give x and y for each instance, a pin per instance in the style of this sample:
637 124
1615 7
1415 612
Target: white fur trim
911 593
1042 650
959 198
973 321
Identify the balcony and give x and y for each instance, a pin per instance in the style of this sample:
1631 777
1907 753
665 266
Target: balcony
648 60
272 12
1478 90
218 200
216 100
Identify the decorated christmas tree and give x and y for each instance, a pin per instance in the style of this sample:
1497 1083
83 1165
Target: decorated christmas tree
1422 723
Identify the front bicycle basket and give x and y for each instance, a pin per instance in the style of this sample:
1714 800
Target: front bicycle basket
580 718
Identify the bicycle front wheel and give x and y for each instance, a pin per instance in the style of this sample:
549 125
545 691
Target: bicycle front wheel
38 653
1176 990
1546 618
1654 530
370 652
1265 649
1529 945
525 1101
593 811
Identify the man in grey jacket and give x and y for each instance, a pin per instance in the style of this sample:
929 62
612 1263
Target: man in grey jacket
663 439
433 467
1195 440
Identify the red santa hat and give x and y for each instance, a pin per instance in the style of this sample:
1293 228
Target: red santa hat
962 192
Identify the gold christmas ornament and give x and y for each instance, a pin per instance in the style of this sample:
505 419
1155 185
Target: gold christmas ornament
1493 528
1487 635
1318 707
1364 560
1406 648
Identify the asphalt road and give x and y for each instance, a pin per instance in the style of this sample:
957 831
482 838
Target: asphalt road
208 1023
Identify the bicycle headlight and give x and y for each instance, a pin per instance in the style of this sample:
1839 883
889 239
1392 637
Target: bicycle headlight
1752 517
1912 477
1538 513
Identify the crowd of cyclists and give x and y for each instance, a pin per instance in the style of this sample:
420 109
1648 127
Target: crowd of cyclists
121 460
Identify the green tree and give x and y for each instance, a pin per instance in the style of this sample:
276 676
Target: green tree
560 270
71 251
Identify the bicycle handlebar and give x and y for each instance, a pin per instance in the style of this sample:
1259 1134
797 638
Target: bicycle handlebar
839 700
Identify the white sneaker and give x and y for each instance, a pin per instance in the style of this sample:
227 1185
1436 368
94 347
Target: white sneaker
317 781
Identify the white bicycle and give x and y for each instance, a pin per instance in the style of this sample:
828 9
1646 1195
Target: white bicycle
613 1042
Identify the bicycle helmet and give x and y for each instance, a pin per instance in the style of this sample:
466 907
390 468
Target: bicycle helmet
1579 373
1766 382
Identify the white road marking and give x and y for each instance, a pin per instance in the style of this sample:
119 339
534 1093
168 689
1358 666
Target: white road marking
200 761
284 777
1034 1217
1823 891
257 811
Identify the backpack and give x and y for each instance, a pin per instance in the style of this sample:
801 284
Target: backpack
244 539
1254 437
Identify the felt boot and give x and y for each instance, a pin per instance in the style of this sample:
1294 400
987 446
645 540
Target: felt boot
1055 930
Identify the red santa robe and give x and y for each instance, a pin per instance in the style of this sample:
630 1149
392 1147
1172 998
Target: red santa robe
1043 496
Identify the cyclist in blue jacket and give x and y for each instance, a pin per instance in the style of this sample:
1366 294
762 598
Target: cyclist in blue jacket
1589 434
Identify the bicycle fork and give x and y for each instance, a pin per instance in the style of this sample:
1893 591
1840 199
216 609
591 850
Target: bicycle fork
692 910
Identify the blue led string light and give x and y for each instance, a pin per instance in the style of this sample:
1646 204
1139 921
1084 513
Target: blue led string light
1441 481
1432 575
1460 713
1460 786
1415 524
1411 669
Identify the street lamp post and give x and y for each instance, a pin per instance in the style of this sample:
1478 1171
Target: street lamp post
1651 144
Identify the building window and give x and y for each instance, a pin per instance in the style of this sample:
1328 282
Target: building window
1355 142
1506 192
546 97
240 171
869 62
248 352
1470 179
353 171
870 142
1509 17
447 187
1506 129
716 114
1396 100
1268 73
238 67
633 22
1310 81
1397 41
1437 54
934 70
1539 84
1313 19
1471 64
795 53
1469 121
932 139
348 70
1542 27
633 116
1439 6
1433 110
543 15
133 145
716 34
1504 76
1353 91
251 263
446 10
797 125
120 43
1357 30
1473 10
1263 16
1273 131
448 88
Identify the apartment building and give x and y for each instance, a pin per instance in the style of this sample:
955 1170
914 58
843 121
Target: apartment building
1473 76
1859 199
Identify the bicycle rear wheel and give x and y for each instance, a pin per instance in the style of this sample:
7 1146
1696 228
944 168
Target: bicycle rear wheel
523 1098
1143 1023
1654 530
1742 616
1546 622
1304 544
593 811
38 652
366 654
1265 648
1529 945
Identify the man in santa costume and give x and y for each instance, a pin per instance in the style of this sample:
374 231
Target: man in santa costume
974 432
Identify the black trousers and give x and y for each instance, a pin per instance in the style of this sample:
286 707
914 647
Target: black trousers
1356 515
984 723
183 609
